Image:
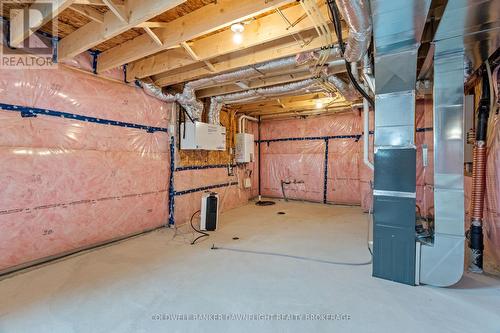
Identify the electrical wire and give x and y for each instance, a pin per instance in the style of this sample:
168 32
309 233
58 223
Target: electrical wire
334 10
203 234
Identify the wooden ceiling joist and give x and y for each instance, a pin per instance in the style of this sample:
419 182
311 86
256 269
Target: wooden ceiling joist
262 30
153 36
118 10
94 33
195 24
18 31
89 12
269 51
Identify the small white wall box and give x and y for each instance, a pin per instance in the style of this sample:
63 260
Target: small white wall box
202 136
209 215
244 148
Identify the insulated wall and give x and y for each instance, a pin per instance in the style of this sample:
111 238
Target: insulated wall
324 155
320 156
87 161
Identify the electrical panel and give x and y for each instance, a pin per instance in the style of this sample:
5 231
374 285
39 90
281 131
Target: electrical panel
202 136
244 148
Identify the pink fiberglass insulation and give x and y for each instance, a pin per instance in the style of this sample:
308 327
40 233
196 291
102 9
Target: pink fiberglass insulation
492 214
302 162
349 179
425 175
298 162
231 195
68 184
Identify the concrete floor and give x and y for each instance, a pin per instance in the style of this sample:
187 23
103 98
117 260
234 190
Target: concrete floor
121 288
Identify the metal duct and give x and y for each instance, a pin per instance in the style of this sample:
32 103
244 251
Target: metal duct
357 15
397 28
469 30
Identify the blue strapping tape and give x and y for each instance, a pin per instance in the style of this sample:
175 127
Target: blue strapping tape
33 112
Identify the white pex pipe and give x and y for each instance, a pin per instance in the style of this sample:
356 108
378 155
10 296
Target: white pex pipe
241 122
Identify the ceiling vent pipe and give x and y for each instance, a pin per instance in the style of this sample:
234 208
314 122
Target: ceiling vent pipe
357 15
194 107
308 85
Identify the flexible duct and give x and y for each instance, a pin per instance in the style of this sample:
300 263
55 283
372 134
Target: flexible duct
154 91
300 86
357 15
187 99
344 88
194 107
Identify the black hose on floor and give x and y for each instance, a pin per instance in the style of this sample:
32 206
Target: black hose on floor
203 234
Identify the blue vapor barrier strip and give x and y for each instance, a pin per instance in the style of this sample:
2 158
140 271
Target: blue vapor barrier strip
95 55
171 189
424 129
325 183
331 137
312 138
204 188
33 112
210 166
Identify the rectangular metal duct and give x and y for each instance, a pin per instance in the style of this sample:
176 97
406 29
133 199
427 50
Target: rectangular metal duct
469 32
397 27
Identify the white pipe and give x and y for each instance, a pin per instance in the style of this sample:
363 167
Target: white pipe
241 122
366 133
368 74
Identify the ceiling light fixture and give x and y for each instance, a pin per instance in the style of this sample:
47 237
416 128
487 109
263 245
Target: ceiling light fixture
319 104
237 30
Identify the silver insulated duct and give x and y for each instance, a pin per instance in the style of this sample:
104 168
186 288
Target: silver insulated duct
357 15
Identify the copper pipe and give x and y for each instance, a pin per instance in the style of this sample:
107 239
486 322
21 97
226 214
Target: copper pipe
478 181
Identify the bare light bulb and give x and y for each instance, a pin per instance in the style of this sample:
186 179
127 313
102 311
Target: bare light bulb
319 104
237 38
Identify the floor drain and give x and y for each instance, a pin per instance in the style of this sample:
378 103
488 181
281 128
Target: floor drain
281 213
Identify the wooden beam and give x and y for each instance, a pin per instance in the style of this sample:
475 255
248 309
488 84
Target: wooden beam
152 25
94 33
118 10
263 30
40 14
195 24
270 110
195 57
153 35
88 12
90 2
269 51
